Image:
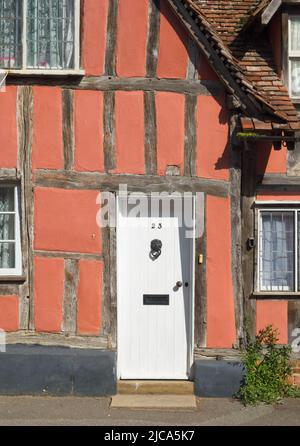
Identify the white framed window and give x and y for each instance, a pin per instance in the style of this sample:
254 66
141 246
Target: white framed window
10 237
40 36
294 55
278 250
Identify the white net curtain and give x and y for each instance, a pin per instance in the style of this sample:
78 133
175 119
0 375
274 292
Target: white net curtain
50 34
10 33
277 251
50 39
294 55
7 228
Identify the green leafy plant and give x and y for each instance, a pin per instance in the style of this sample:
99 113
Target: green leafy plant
268 370
247 134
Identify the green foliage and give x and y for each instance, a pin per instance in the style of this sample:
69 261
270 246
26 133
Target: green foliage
247 134
268 370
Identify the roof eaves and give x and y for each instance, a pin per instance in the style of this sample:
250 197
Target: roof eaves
222 60
269 11
218 54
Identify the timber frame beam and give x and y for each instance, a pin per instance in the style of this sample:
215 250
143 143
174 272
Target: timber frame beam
270 11
112 83
144 183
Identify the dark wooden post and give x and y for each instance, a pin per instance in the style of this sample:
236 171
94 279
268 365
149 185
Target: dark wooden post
236 229
248 229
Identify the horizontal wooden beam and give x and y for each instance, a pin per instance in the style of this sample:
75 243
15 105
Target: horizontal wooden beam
9 289
111 83
100 342
204 88
143 183
9 174
68 255
12 279
213 353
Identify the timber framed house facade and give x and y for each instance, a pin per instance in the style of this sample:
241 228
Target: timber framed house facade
194 97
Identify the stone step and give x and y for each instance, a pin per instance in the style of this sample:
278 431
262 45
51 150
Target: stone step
155 387
159 402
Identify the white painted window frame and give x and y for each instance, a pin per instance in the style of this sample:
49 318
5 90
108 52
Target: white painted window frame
17 271
295 210
291 54
46 72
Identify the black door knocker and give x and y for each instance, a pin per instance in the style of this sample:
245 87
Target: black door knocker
156 246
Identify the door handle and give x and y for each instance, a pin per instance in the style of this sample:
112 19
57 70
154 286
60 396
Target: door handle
179 284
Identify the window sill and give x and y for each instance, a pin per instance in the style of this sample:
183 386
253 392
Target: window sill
275 294
44 73
12 279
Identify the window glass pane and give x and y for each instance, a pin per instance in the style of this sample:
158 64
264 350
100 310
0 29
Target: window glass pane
10 33
7 227
7 255
277 251
50 34
295 34
295 77
7 200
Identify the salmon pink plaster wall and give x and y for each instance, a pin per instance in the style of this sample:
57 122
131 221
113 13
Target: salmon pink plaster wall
170 131
47 150
132 38
65 220
89 154
9 313
212 138
89 297
95 14
272 312
220 300
8 128
173 46
48 294
270 160
130 132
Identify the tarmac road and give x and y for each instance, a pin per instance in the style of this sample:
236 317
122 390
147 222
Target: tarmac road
74 411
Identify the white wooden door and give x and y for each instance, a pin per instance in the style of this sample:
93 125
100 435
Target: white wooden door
155 293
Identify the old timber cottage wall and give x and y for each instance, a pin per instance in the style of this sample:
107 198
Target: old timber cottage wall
277 180
149 112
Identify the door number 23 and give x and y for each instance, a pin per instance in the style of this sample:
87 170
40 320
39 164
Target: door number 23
156 226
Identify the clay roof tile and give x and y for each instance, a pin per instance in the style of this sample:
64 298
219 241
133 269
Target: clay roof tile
248 58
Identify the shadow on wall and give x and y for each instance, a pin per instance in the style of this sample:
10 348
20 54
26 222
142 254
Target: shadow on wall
270 160
223 162
213 85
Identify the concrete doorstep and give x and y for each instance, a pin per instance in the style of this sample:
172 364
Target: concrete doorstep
161 402
140 387
133 394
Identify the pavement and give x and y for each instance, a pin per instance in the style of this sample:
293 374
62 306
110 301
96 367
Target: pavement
75 411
